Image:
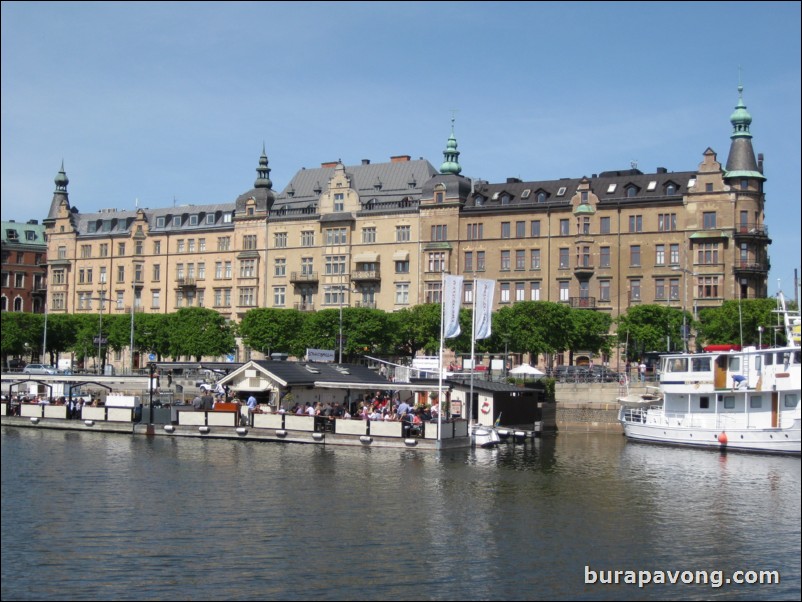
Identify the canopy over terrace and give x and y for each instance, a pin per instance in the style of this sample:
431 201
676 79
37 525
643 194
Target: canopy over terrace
286 383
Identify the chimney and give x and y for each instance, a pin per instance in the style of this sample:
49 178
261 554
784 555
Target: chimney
662 170
365 161
760 162
400 159
513 180
33 222
329 164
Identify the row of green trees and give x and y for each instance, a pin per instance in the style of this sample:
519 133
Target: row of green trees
526 327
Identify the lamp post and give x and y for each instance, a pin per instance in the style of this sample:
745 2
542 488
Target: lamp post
688 272
760 337
102 300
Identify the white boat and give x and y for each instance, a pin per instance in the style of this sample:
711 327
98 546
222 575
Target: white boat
651 397
484 436
746 399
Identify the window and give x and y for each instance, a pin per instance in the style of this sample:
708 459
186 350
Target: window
535 228
564 261
222 297
564 227
209 218
660 254
709 187
636 223
704 400
467 292
564 290
280 240
180 248
401 293
369 235
583 257
505 261
191 245
707 254
634 255
520 291
583 197
520 229
534 291
247 268
673 289
469 261
227 218
534 259
604 257
179 271
339 202
120 300
402 267
437 262
667 222
709 220
604 290
729 402
247 296
439 232
155 299
120 273
224 243
631 191
279 296
634 289
660 288
177 221
157 247
604 225
58 277
505 292
755 401
520 259
505 229
708 287
248 242
308 238
583 225
480 261
541 197
402 233
334 236
157 272
104 249
674 254
790 400
307 266
193 220
335 264
86 252
671 189
19 278
160 222
475 231
139 272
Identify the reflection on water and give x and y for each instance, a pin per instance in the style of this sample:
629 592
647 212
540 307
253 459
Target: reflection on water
93 516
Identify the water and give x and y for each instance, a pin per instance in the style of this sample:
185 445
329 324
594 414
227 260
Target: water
94 516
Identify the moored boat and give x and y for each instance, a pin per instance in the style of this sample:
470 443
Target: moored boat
745 399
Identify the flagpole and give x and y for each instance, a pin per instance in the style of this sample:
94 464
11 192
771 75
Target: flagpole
473 352
440 357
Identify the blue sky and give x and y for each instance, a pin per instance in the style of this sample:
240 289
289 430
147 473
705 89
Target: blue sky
172 101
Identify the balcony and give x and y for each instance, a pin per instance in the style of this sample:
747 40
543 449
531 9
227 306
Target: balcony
751 231
185 282
368 304
303 277
751 267
366 276
584 269
582 302
304 306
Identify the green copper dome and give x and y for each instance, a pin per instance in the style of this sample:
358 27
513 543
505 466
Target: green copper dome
451 155
740 118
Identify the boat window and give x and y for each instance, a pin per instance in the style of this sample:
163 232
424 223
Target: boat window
700 364
758 362
729 402
678 364
756 401
769 359
797 356
704 402
791 400
735 364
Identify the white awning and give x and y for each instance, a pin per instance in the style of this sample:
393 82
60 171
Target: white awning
377 386
401 256
366 258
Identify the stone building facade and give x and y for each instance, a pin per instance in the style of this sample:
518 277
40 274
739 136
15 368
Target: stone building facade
380 235
24 267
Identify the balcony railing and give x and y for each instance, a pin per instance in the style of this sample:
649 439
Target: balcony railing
303 277
363 275
751 266
368 304
304 306
185 282
582 302
751 230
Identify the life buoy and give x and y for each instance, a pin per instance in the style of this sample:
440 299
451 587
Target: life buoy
486 407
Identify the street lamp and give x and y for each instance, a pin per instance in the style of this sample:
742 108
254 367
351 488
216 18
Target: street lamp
760 337
102 300
688 272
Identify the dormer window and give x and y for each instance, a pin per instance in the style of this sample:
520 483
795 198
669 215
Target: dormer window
505 199
671 188
176 221
584 196
193 220
227 218
91 227
339 202
209 218
541 197
160 221
480 200
631 191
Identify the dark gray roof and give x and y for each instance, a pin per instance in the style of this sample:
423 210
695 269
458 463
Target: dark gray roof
111 222
384 182
559 192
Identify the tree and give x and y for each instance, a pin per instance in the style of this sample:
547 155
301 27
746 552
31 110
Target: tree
61 334
650 328
417 328
737 322
532 326
152 333
22 333
589 331
272 329
199 331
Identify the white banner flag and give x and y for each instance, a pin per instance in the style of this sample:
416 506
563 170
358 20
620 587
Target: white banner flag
452 295
484 307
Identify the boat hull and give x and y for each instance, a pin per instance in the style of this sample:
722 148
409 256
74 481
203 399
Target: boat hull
774 440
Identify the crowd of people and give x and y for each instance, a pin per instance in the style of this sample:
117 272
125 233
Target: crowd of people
74 405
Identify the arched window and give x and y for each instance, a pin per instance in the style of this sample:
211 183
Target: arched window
18 304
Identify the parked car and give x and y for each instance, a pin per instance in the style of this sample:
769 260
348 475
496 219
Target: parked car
39 369
16 364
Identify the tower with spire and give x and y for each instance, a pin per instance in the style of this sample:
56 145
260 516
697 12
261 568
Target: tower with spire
741 161
60 195
451 155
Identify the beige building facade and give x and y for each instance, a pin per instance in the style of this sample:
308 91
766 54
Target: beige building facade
381 235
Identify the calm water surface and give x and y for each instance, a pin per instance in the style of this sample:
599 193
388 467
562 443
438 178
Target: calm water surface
114 517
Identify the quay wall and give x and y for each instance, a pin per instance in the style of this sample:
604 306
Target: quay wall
589 406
